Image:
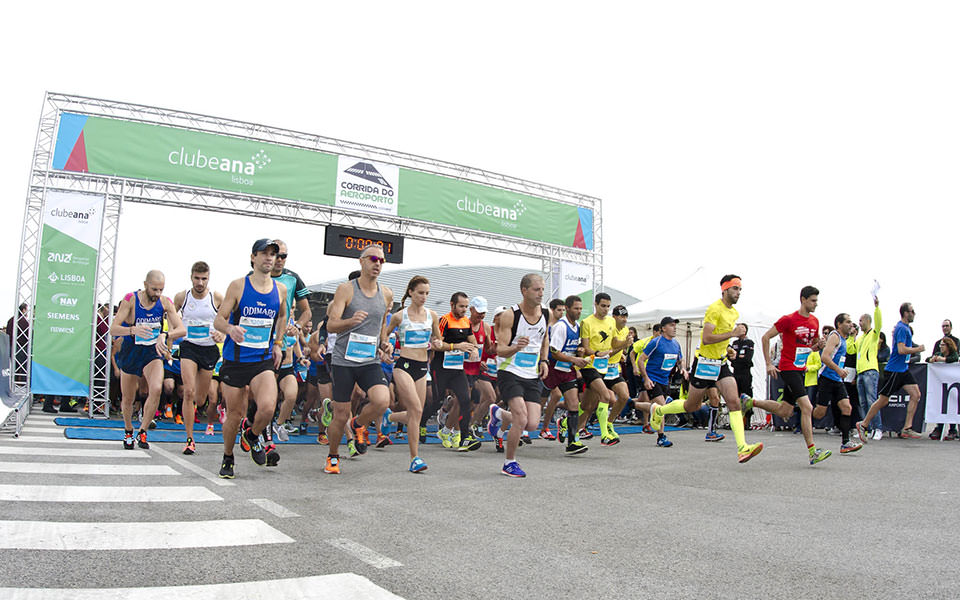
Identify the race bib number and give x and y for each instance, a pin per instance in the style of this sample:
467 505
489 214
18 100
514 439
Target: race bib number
669 362
361 348
491 367
256 332
800 360
453 359
198 330
526 360
150 339
416 338
600 363
707 369
613 371
563 365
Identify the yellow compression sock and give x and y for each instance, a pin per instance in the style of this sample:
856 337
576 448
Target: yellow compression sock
736 424
673 408
603 413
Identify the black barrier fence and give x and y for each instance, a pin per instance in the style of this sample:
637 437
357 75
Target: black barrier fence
893 414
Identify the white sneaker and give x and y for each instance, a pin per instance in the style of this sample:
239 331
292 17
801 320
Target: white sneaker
877 435
280 433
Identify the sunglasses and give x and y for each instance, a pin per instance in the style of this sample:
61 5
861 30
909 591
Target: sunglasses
377 259
283 256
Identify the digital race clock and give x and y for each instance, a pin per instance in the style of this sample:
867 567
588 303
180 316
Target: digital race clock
341 241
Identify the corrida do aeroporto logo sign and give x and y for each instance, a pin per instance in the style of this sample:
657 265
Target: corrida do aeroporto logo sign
166 154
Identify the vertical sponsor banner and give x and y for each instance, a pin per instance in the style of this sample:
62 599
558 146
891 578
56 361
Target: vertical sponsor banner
66 283
367 186
943 393
577 280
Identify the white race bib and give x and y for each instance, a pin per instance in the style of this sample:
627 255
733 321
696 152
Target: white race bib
491 367
152 338
669 362
416 338
198 330
563 365
613 371
600 363
526 360
707 369
800 361
361 348
453 359
256 332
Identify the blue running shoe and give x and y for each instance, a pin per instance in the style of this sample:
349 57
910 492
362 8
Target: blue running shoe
746 403
663 442
493 425
713 436
385 423
417 465
512 469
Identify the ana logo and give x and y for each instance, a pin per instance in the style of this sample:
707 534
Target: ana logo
82 216
368 172
196 159
59 257
479 207
63 300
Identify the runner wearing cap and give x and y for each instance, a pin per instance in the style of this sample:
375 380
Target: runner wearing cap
139 320
482 392
357 315
199 353
642 404
522 349
800 335
251 316
655 363
710 367
562 374
416 327
613 379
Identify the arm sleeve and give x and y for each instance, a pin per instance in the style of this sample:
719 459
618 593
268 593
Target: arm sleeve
877 319
300 289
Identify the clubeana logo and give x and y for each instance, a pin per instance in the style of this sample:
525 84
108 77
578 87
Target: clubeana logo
479 207
197 159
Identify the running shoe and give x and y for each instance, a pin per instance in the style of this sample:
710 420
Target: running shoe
493 425
746 403
226 467
469 444
290 428
417 465
332 466
221 414
383 441
951 436
153 424
663 442
168 411
575 448
713 436
862 432
561 429
257 452
512 469
178 420
273 457
209 430
244 443
128 440
455 439
322 439
190 448
302 429
611 432
279 432
401 436
877 435
547 435
656 419
361 436
142 440
610 441
748 451
648 429
498 443
352 449
385 423
525 439
585 435
445 438
910 434
326 414
819 455
849 447
423 435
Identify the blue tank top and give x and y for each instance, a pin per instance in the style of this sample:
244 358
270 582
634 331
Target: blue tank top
257 314
153 319
839 357
570 344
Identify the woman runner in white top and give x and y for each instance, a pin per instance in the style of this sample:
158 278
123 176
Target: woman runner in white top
419 330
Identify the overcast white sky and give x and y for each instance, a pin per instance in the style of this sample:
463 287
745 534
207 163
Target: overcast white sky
791 143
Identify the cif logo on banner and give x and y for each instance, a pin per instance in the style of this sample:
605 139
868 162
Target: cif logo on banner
943 394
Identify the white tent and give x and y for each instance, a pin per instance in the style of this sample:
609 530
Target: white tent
690 327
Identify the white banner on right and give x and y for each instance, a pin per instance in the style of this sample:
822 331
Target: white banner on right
943 393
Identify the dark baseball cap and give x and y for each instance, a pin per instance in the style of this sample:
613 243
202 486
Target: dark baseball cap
620 311
263 244
668 320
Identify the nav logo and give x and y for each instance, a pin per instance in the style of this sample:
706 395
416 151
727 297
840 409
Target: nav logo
60 257
369 173
63 300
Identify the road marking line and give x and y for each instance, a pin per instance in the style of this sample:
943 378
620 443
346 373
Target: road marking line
39 451
38 428
272 507
371 557
85 469
186 464
105 493
323 587
51 535
58 439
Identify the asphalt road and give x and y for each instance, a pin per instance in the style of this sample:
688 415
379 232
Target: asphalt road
630 521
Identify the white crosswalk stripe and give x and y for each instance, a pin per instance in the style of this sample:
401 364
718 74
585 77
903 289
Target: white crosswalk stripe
57 439
75 452
85 469
105 493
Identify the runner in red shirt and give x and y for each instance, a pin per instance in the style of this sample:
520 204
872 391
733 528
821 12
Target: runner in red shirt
800 333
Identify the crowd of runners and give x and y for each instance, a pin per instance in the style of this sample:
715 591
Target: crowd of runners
243 359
